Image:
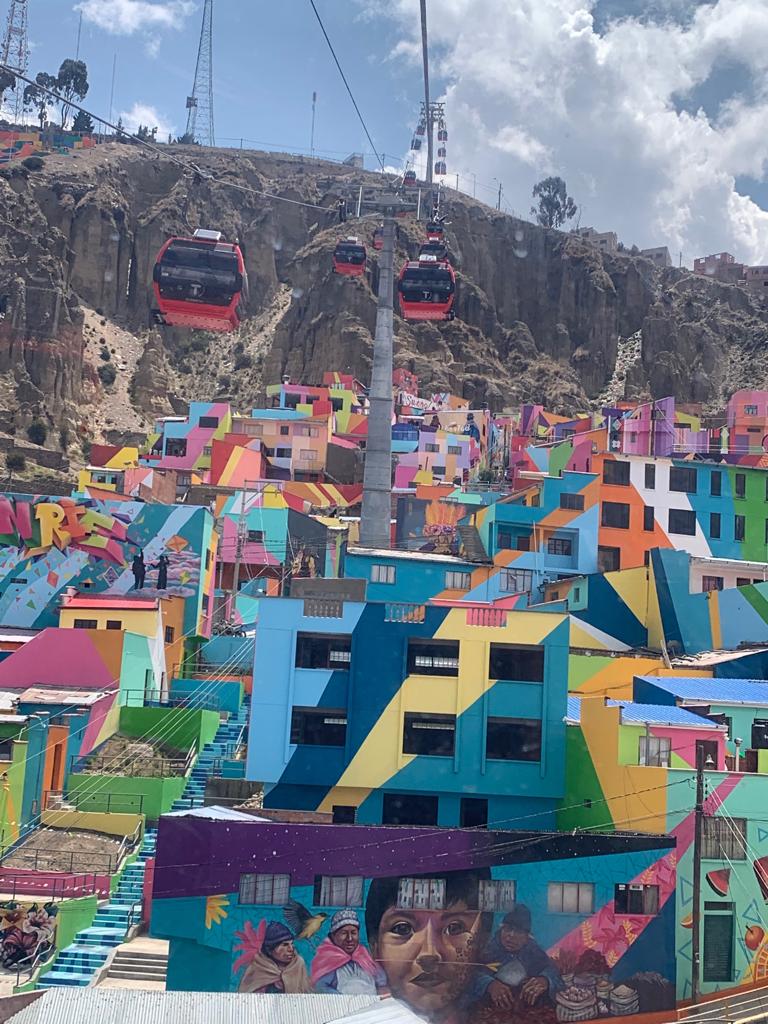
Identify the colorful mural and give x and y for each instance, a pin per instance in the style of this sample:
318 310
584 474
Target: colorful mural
508 938
49 544
26 931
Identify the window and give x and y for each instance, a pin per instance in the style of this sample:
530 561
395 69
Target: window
739 526
473 812
429 447
650 476
513 739
554 595
338 891
272 890
616 473
455 580
560 546
715 483
308 454
255 536
438 470
496 894
750 410
285 431
724 838
766 488
283 453
682 520
209 421
176 448
608 559
323 650
421 894
766 532
344 814
409 809
516 581
714 525
740 485
743 581
382 574
86 624
711 583
523 543
6 750
170 633
576 596
648 518
717 961
636 899
433 657
654 751
114 624
572 501
319 727
616 514
682 479
570 897
454 449
429 734
518 663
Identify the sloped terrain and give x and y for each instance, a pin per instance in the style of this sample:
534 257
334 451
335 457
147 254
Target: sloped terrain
541 315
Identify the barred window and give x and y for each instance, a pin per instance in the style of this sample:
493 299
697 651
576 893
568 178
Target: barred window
516 581
724 838
497 894
421 894
339 891
271 890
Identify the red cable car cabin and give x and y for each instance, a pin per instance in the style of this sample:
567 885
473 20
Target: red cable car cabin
199 283
409 178
349 258
435 231
436 249
378 238
427 289
440 167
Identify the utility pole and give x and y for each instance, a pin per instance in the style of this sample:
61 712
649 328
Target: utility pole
200 103
312 134
14 50
697 841
79 33
498 201
377 475
427 107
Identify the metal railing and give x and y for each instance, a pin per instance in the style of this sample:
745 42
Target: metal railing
198 700
98 802
33 962
323 608
403 612
52 885
148 767
53 860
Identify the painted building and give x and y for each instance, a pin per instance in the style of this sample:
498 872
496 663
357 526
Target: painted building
608 788
185 442
410 575
431 916
408 714
51 544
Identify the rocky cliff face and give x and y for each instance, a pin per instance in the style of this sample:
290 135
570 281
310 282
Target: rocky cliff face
540 314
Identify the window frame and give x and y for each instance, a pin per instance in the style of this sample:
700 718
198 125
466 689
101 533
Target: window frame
614 507
615 551
654 751
718 842
301 716
535 651
381 569
274 883
85 624
647 899
560 547
505 720
417 648
506 574
622 473
715 518
496 895
716 489
682 512
416 722
558 889
710 583
308 643
739 528
572 501
650 476
328 886
740 485
464 579
425 893
681 473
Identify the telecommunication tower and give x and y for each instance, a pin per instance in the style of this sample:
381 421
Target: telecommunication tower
200 103
14 51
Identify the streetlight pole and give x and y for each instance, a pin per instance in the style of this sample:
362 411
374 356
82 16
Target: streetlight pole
377 475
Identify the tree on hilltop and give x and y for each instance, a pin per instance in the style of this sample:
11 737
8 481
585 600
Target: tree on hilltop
555 205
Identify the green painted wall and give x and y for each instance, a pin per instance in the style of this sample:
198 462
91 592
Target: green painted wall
629 743
157 794
176 727
581 784
73 916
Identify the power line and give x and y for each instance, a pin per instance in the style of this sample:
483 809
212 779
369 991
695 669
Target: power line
346 83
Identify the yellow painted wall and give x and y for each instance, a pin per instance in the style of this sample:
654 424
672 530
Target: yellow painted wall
140 621
112 824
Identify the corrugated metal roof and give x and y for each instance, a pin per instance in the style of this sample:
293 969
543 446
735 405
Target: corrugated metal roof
132 1006
639 714
753 692
214 813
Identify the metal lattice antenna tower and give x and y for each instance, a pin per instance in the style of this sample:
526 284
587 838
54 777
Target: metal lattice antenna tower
200 103
15 48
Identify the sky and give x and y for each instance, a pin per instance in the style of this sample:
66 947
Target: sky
653 111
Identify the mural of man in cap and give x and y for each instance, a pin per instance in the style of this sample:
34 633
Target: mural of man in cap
274 966
342 965
519 973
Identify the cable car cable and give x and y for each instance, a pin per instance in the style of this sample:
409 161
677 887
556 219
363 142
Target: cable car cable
346 83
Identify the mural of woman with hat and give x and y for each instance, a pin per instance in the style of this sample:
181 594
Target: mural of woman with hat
273 963
342 965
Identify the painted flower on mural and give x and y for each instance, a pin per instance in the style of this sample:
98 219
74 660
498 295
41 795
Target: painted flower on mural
614 939
215 910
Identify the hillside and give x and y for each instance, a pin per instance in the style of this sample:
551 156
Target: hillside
540 315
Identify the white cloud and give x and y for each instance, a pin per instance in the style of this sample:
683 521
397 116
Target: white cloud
125 17
144 113
534 88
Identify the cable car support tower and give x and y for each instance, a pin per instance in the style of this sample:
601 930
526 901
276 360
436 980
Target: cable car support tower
200 103
14 49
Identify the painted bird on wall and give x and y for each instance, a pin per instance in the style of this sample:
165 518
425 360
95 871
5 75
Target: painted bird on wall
302 922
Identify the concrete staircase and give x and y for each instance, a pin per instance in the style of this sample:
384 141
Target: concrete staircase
221 747
77 963
138 965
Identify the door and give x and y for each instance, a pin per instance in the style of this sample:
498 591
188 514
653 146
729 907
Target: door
718 947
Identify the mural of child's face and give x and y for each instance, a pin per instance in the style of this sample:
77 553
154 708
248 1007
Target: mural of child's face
511 939
346 938
428 954
283 953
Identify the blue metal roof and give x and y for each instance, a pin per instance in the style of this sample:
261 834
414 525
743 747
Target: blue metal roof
753 692
639 714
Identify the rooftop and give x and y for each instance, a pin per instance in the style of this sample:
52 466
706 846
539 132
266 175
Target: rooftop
112 601
752 692
415 556
642 714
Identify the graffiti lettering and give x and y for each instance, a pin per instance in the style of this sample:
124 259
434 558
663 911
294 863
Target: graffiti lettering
63 524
